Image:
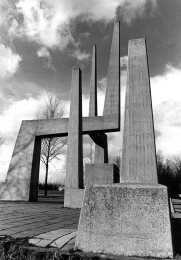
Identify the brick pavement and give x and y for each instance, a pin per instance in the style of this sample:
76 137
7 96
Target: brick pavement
27 219
49 224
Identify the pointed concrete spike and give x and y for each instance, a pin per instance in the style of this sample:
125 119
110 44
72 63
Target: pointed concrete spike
112 98
74 175
93 85
139 156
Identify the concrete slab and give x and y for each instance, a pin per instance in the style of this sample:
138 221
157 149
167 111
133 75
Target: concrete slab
73 198
34 241
56 233
126 219
60 242
44 242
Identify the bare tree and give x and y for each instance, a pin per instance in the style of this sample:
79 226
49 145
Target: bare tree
52 147
176 160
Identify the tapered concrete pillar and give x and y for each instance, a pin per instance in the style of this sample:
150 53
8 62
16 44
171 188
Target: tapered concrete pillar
134 216
138 157
112 98
74 173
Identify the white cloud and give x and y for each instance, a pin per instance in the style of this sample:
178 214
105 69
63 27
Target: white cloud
166 94
9 62
166 86
10 121
44 53
130 9
49 22
80 56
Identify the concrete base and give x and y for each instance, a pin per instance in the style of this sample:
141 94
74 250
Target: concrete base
73 198
15 191
126 219
101 174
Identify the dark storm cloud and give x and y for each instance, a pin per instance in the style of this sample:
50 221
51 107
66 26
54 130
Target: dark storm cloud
162 30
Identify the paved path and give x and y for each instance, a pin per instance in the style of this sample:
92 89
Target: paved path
49 224
45 222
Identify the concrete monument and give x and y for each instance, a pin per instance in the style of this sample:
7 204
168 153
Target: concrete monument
23 173
133 217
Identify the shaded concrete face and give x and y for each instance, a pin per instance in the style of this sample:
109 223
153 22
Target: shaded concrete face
133 220
138 157
101 174
23 163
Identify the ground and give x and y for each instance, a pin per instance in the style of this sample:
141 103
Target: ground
47 230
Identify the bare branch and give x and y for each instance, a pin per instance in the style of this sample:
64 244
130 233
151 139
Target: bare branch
51 148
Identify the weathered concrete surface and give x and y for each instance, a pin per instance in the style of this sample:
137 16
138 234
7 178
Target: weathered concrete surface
73 198
24 168
101 174
138 156
112 98
125 219
74 172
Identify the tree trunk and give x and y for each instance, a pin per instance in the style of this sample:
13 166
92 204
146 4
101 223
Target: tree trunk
46 178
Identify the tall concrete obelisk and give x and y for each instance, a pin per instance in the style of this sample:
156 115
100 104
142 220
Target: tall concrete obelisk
138 156
131 218
74 173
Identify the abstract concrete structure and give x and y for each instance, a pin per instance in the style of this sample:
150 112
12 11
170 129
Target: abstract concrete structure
23 173
101 172
133 216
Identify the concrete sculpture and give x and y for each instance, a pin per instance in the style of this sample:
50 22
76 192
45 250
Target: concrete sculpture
129 218
134 216
23 173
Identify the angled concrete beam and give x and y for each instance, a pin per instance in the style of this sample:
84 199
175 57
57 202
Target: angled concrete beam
138 157
112 98
59 127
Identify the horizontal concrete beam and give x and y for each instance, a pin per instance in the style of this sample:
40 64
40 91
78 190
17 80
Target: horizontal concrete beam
59 127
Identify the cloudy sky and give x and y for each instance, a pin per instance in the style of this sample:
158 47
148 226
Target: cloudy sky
41 40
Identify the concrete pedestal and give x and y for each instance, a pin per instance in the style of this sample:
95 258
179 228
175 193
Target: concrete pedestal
73 198
126 219
101 174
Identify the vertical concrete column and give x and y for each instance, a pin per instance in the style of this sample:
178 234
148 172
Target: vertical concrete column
93 84
138 157
101 149
74 173
33 194
112 98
